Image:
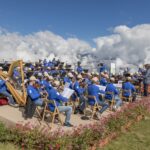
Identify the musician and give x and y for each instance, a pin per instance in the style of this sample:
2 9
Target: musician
93 90
53 94
146 79
113 93
128 88
33 91
4 92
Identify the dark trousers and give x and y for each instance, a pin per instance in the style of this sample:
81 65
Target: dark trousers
145 89
29 108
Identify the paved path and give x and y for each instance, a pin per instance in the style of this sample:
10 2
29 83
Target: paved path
11 116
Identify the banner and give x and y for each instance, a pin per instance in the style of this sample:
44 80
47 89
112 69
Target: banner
113 68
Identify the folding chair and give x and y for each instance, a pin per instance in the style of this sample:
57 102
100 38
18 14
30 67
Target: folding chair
96 107
54 113
112 101
73 103
138 90
38 108
124 98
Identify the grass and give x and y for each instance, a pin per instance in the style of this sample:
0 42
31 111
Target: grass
8 146
137 138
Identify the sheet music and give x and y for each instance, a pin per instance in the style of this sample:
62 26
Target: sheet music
118 85
67 92
102 88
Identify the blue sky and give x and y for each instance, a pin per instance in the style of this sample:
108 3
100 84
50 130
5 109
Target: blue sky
84 19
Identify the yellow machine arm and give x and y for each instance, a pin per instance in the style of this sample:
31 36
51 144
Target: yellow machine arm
20 96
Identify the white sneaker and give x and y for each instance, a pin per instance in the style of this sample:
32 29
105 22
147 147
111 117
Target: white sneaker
114 108
97 116
14 105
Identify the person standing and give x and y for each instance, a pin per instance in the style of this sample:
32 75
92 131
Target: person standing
146 79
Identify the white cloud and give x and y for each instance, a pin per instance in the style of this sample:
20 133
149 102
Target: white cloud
131 45
40 45
127 45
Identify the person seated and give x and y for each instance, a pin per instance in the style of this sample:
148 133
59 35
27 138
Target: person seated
4 91
33 92
67 78
93 90
112 92
146 80
53 94
79 89
76 87
87 78
45 82
17 75
79 68
128 89
104 77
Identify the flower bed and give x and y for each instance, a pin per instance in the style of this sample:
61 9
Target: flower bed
82 137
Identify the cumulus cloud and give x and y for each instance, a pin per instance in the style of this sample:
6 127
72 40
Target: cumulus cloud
41 45
125 45
130 45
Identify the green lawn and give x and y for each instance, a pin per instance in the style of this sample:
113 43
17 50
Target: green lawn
7 146
138 138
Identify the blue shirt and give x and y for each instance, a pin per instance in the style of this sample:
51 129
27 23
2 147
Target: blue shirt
93 90
111 88
33 92
67 79
3 86
76 87
53 94
46 85
79 69
88 81
128 88
102 69
16 73
103 82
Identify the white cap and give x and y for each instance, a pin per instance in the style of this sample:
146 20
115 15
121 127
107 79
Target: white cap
95 79
33 78
112 79
57 83
128 78
25 81
51 78
1 68
70 75
46 74
96 73
5 72
79 76
89 74
40 74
